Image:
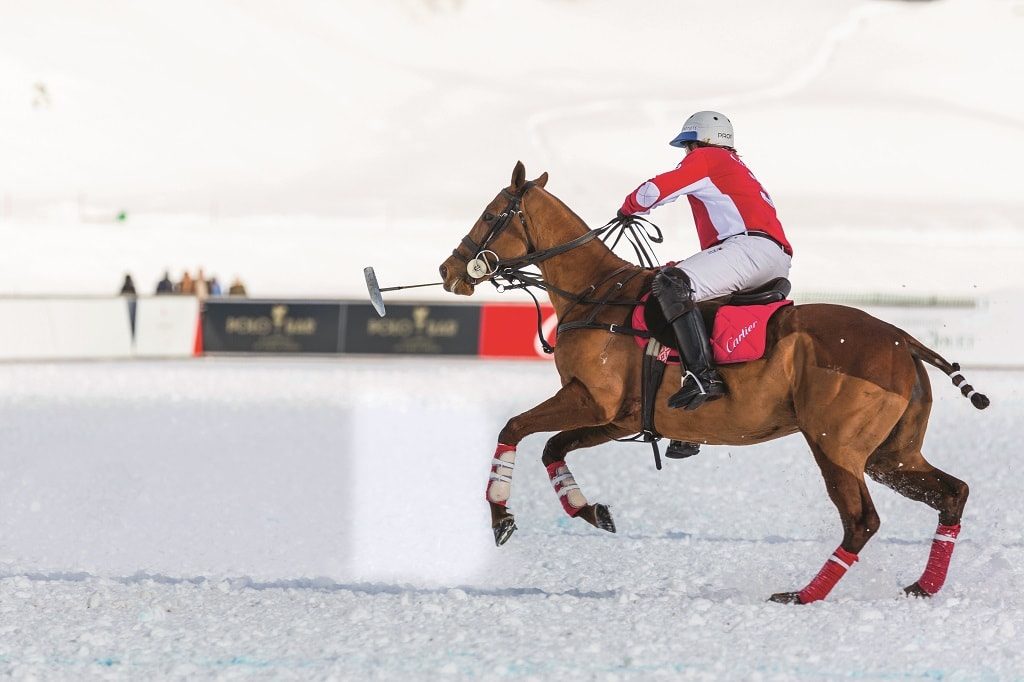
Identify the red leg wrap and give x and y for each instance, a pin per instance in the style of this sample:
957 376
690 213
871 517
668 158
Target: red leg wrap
504 488
565 486
938 560
834 569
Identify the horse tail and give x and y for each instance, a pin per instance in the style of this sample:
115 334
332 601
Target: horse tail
952 370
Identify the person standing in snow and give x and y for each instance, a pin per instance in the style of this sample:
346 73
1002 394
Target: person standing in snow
237 287
202 287
128 287
187 285
165 286
741 239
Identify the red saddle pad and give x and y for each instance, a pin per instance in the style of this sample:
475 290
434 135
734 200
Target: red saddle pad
739 334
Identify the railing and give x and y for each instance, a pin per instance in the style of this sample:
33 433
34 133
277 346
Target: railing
975 332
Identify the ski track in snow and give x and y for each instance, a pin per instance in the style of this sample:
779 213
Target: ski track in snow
267 520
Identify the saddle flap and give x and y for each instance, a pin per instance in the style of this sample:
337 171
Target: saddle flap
740 332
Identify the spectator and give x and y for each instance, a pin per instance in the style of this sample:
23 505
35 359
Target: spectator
187 286
202 289
237 288
128 288
215 289
165 286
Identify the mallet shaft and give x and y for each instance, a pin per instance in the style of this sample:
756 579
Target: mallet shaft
413 286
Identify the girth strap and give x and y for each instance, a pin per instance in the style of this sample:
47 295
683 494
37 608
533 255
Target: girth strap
651 374
610 328
650 380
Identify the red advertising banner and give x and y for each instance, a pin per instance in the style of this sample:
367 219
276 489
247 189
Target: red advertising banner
510 330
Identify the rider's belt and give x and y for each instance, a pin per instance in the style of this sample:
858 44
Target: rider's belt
754 233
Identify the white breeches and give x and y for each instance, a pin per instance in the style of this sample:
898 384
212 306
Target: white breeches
740 262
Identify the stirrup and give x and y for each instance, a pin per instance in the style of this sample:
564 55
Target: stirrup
681 449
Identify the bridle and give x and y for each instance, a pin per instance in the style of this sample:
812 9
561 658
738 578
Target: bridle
480 263
487 264
637 235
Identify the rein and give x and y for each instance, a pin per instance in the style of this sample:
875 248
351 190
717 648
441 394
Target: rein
639 232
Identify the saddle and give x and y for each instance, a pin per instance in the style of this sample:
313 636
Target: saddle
650 318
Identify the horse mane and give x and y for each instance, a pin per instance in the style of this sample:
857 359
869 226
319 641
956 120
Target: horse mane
558 202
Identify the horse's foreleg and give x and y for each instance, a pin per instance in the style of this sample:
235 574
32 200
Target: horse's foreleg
499 489
573 501
913 477
860 522
571 408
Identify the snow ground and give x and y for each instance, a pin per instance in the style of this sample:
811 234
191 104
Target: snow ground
314 519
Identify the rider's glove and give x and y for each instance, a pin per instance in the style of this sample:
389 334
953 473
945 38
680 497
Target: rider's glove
622 217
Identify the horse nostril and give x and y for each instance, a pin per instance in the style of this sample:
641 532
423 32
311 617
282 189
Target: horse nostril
444 271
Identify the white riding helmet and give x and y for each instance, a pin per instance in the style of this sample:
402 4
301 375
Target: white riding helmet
710 127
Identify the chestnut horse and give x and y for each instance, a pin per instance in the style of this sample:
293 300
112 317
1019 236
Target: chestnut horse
854 386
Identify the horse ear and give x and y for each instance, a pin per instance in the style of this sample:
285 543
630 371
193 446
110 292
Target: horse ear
542 180
518 175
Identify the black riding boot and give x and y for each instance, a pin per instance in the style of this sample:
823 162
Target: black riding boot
701 382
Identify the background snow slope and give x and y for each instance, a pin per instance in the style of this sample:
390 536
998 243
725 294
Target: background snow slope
296 144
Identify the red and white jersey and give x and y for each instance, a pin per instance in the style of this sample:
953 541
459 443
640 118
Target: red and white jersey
725 197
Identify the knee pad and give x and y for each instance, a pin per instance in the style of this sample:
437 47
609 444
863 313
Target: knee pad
673 291
673 281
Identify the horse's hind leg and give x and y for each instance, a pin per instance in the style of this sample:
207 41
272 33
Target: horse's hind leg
909 473
912 476
859 518
569 494
899 464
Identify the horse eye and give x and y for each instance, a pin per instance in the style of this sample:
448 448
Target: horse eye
488 217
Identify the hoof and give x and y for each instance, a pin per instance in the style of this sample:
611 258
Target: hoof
786 598
598 516
915 590
603 518
503 530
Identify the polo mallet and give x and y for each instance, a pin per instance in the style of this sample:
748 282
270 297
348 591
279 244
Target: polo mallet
375 291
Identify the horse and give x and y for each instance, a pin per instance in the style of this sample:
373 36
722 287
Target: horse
854 386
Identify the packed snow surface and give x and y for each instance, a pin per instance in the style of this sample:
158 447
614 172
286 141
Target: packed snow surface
313 519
